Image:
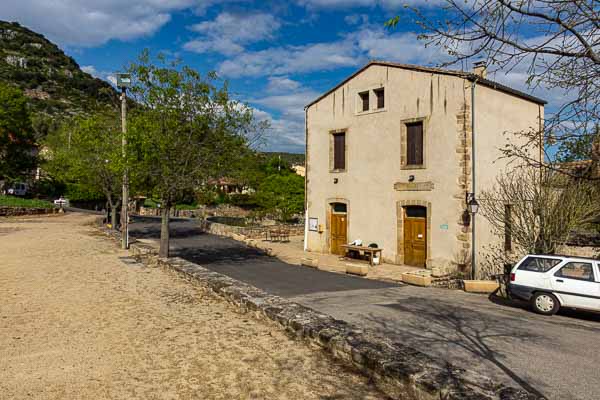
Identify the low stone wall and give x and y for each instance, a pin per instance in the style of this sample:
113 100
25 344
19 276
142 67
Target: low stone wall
400 371
243 232
18 211
224 210
579 251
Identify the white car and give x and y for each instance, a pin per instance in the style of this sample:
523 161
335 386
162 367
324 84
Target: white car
18 189
552 282
61 202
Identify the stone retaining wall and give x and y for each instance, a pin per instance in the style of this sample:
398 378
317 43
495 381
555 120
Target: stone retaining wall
243 232
18 211
400 371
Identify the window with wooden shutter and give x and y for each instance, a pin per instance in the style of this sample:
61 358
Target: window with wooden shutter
364 101
414 143
380 95
339 151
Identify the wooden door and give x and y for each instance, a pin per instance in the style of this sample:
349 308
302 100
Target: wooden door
415 241
339 235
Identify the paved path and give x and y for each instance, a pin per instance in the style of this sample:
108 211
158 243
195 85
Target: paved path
557 357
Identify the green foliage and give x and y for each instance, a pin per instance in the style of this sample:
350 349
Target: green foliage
11 201
576 148
17 148
86 154
283 194
186 131
58 85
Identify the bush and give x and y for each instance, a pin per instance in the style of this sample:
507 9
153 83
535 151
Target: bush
11 201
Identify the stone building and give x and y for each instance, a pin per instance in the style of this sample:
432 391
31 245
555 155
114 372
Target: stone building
390 155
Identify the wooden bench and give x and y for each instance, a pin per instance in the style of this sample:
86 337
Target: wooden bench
371 251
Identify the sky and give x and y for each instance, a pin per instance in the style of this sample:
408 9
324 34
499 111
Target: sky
277 56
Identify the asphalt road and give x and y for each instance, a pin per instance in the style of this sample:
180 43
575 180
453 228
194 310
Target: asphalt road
557 357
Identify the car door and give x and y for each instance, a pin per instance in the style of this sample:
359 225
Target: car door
575 282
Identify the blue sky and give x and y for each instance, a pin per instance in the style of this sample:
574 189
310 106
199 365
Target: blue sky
277 55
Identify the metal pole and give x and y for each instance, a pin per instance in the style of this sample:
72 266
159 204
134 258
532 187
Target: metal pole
473 266
125 201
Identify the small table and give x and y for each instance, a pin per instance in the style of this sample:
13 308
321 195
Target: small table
372 251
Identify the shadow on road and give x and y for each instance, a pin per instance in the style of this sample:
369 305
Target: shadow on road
464 333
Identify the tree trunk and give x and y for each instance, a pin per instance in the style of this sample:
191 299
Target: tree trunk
113 216
164 232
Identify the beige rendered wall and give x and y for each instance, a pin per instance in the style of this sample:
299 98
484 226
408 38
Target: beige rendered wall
373 158
498 117
373 150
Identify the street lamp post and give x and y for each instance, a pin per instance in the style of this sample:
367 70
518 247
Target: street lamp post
472 207
123 82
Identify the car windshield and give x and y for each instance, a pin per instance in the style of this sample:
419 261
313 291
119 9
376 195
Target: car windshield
539 264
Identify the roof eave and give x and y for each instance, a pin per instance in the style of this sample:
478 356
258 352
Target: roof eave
466 75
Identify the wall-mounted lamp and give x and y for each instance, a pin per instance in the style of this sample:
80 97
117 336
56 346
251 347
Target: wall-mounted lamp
472 204
335 180
411 178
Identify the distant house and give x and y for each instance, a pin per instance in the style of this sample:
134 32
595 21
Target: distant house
299 169
389 157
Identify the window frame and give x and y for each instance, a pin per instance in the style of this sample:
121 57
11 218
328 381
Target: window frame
521 265
591 264
404 143
332 135
375 92
362 96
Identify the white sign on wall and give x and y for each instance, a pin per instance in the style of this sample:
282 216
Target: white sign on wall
313 224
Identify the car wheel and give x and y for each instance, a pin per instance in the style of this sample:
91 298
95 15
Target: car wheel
545 303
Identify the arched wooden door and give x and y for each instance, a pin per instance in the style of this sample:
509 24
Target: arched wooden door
338 228
415 235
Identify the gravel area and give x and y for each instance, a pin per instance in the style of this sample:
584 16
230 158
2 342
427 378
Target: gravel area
79 319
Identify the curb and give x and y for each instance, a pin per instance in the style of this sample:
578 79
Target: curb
399 371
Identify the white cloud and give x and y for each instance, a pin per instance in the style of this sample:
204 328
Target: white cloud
353 49
355 19
279 84
228 32
90 69
91 23
387 4
284 134
289 104
290 59
104 75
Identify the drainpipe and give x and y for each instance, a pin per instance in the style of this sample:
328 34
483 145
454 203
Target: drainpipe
473 85
305 178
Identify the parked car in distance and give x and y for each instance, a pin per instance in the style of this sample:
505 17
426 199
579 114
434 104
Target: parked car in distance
61 202
552 282
18 189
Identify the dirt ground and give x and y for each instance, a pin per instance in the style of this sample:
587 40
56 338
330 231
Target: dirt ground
79 322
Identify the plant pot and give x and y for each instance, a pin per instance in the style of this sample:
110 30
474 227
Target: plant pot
480 286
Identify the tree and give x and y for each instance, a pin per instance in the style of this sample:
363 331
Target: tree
17 147
185 131
545 208
282 193
86 152
553 42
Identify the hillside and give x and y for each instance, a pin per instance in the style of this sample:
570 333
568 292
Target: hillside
289 158
52 80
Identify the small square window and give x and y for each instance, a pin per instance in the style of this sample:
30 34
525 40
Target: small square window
364 101
380 95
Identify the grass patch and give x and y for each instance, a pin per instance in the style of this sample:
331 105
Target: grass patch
11 201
